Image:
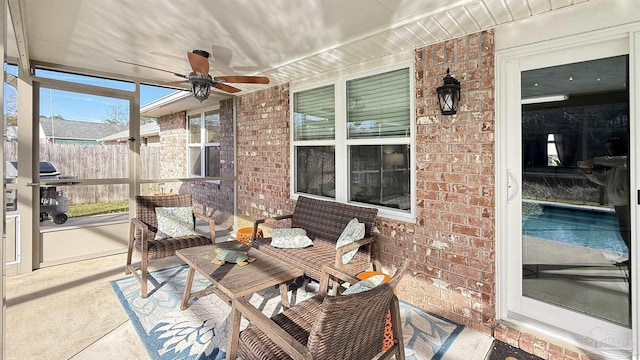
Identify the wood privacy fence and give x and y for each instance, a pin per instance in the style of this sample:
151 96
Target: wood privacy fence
94 162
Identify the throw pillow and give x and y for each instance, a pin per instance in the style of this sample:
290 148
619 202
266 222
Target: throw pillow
354 231
290 238
174 222
364 285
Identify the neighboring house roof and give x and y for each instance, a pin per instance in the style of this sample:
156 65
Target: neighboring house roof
146 130
76 130
176 102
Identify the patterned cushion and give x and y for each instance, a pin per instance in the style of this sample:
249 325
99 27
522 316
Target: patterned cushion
290 238
354 231
364 285
174 222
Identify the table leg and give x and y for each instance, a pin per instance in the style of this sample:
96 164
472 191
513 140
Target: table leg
234 334
187 289
284 293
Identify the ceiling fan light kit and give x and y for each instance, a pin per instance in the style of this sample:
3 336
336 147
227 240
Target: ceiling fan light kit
200 88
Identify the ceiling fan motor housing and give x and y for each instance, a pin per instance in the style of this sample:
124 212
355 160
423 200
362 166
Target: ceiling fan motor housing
202 53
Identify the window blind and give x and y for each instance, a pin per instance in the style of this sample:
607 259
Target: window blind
314 114
379 105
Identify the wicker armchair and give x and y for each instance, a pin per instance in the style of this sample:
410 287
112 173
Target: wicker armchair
143 230
322 327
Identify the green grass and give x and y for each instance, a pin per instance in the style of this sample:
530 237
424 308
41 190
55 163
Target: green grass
98 208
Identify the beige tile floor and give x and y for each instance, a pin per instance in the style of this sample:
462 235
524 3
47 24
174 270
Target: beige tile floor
71 312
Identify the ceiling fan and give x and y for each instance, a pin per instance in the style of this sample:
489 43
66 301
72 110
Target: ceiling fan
200 79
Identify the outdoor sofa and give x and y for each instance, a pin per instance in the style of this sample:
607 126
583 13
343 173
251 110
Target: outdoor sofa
324 222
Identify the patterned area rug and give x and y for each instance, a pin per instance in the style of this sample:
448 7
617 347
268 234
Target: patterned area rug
200 332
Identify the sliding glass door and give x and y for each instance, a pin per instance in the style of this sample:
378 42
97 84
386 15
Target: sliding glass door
575 187
566 209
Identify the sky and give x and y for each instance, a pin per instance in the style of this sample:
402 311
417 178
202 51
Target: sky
84 107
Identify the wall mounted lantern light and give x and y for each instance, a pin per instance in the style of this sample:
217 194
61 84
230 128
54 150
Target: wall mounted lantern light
449 95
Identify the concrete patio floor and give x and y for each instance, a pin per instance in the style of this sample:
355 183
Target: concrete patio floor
71 312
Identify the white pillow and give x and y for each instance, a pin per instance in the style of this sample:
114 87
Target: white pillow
364 285
354 231
174 222
290 238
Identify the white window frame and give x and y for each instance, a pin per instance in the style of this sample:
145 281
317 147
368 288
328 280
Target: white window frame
341 143
202 145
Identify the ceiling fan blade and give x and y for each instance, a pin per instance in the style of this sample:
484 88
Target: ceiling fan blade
225 87
199 63
151 67
243 79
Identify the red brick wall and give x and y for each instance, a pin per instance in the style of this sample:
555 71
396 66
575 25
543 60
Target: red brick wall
173 140
215 199
452 242
540 345
263 154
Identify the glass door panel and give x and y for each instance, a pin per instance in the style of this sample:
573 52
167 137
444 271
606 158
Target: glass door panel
12 219
160 141
576 227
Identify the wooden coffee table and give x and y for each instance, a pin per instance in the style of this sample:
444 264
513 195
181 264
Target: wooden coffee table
232 281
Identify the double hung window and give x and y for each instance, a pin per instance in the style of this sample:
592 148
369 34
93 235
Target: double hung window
203 144
352 141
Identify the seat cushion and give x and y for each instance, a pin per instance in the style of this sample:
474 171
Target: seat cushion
311 259
158 249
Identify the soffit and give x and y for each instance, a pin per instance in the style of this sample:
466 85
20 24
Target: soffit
285 40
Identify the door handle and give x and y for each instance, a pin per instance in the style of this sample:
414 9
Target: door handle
512 186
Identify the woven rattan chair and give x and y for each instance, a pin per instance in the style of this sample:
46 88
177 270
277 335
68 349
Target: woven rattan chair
143 230
322 327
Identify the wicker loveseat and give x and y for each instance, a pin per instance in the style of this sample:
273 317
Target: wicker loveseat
324 221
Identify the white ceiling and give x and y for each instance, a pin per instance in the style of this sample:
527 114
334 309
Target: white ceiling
282 39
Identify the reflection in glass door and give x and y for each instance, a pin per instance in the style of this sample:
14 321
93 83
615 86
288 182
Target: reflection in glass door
576 227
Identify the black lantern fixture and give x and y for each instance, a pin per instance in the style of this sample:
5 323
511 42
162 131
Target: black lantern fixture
449 95
200 86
